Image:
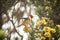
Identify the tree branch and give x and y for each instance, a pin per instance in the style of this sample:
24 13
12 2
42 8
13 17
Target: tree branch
14 27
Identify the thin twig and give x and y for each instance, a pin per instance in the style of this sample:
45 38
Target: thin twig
14 27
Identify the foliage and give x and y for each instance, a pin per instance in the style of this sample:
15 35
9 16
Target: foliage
49 13
49 8
45 30
2 34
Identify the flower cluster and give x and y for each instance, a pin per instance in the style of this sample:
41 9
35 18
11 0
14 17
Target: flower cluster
43 29
47 30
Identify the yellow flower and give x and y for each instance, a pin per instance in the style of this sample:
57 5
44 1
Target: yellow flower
47 34
42 38
47 7
53 30
43 21
47 29
58 26
45 18
36 30
27 29
38 35
39 23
